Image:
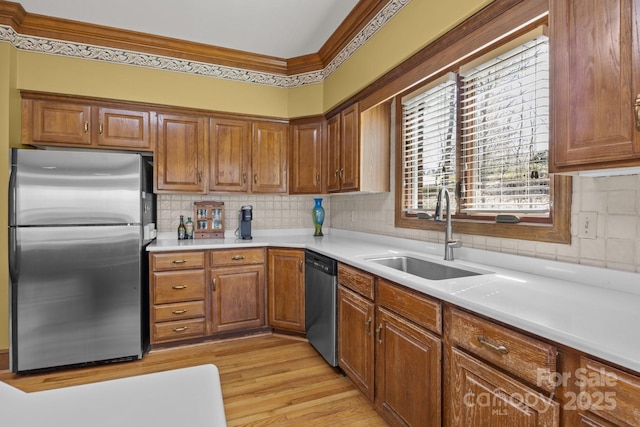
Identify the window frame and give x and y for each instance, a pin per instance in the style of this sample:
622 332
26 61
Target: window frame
554 229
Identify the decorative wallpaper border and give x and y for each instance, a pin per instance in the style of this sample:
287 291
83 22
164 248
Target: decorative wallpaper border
119 56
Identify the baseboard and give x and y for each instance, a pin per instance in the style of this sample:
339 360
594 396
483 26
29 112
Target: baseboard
4 360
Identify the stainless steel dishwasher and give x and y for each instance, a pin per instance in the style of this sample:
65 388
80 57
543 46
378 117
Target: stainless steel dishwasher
321 288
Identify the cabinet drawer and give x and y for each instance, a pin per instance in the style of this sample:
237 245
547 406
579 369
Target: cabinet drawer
528 358
178 286
609 392
169 331
356 280
177 260
412 305
178 311
236 257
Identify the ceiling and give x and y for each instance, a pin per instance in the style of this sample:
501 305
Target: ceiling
280 28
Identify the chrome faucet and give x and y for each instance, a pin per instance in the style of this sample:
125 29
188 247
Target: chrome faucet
449 243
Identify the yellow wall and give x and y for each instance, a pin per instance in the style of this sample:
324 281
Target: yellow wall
49 73
414 27
420 22
9 137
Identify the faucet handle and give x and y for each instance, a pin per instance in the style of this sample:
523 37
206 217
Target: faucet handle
454 243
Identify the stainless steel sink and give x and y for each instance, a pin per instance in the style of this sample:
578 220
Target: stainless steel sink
423 268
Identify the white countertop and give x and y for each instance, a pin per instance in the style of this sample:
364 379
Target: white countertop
591 309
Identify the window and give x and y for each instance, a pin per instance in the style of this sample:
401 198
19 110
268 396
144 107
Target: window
482 131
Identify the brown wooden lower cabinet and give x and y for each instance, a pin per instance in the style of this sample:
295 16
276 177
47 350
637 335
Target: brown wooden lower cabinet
483 396
189 300
237 289
408 360
237 298
285 289
355 339
177 292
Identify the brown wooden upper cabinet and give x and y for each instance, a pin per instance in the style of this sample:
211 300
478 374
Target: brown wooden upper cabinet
69 122
306 157
269 157
595 84
248 156
180 163
358 146
229 155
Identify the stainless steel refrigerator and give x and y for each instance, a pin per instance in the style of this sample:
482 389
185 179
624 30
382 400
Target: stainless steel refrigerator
78 287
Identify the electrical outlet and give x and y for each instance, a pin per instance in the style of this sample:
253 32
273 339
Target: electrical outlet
587 224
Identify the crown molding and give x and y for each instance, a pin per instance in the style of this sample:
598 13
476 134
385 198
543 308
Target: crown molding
32 32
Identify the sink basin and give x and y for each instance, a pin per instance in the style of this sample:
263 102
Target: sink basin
423 268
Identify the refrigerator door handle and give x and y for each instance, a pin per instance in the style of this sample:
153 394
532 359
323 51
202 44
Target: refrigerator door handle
12 194
13 255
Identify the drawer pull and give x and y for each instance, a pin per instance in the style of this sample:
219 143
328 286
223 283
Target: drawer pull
378 334
179 261
181 329
178 287
213 284
237 257
179 311
637 111
498 348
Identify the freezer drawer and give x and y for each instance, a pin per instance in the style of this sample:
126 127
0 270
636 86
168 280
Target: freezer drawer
76 295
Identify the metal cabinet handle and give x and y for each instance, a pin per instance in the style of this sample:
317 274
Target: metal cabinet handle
181 329
637 109
179 311
213 284
378 334
179 286
342 173
200 176
317 177
497 348
179 261
244 177
237 257
100 128
86 127
255 178
335 174
367 326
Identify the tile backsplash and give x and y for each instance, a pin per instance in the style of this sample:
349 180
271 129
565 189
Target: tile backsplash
269 212
614 200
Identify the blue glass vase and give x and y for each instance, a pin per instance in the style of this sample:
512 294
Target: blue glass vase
317 214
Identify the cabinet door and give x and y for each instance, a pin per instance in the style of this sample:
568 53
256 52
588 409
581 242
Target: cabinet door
180 163
118 128
229 153
355 339
407 372
306 158
237 298
285 289
333 154
594 83
350 149
60 122
269 158
482 396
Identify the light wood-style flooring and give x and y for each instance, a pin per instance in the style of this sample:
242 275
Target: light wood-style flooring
266 380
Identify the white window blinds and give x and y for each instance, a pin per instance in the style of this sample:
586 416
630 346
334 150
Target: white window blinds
429 143
505 132
484 131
